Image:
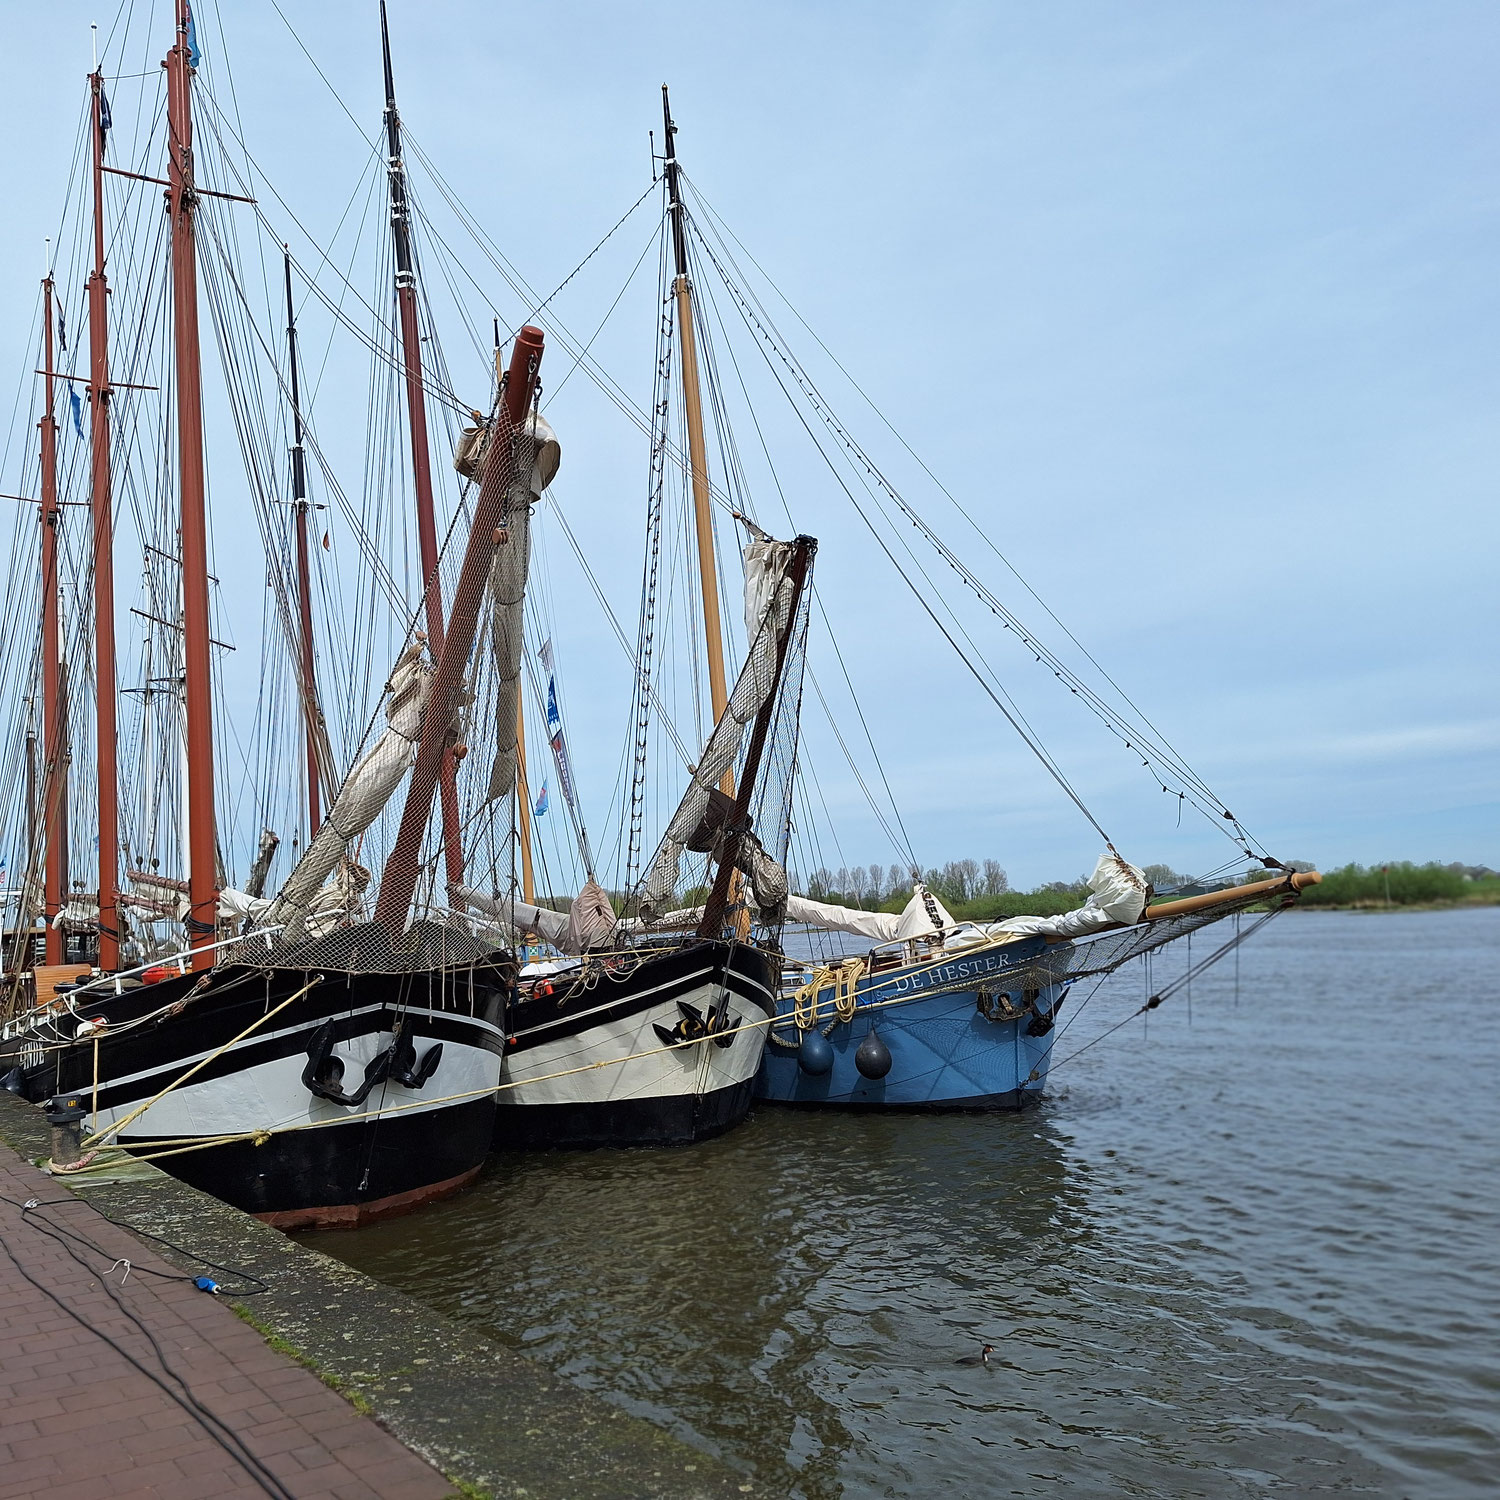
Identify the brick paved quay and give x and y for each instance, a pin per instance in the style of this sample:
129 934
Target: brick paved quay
79 1422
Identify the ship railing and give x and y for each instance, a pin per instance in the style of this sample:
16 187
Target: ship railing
113 983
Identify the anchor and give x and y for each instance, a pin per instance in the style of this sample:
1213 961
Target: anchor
324 1073
694 1026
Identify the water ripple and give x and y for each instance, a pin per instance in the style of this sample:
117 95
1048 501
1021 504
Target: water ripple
1254 1248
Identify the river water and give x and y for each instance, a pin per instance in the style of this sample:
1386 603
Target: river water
1252 1246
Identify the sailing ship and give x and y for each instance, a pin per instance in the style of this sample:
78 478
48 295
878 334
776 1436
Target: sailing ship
934 1013
307 1064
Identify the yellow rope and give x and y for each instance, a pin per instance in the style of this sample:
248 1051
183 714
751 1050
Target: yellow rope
103 1135
844 977
844 997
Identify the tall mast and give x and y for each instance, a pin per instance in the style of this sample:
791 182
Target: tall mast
104 566
523 802
203 894
53 770
713 627
421 461
398 883
708 575
309 685
523 790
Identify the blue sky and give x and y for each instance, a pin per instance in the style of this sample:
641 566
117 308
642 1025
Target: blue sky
1193 307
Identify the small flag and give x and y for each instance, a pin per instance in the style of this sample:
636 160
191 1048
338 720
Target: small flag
554 719
106 120
194 55
77 409
5 859
546 654
62 330
540 811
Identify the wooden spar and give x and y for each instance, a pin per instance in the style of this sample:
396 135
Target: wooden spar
54 769
708 574
1298 880
309 693
727 876
421 460
523 805
523 792
203 893
104 566
398 883
713 624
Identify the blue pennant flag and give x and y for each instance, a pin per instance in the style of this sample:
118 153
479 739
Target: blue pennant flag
540 810
62 331
77 409
194 55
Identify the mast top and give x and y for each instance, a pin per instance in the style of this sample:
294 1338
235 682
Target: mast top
400 216
385 49
674 196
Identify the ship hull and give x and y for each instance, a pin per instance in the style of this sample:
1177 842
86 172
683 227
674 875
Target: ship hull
958 1039
586 1067
245 1127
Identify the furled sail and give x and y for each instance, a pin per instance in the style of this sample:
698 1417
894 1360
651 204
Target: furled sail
768 602
508 593
588 924
367 788
1117 897
330 906
924 916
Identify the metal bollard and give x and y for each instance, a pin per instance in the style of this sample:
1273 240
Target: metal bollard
65 1114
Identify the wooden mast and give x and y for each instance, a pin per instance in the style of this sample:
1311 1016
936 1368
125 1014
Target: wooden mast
421 461
708 575
203 894
523 791
398 882
523 804
53 769
104 566
309 685
713 626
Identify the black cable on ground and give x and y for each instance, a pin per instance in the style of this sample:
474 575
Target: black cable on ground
214 1426
34 1204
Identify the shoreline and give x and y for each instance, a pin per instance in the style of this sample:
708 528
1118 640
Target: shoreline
490 1421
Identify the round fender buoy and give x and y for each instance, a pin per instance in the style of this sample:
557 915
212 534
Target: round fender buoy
815 1055
873 1057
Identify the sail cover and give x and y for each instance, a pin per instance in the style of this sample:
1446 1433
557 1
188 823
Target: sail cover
508 593
924 916
589 924
366 789
768 604
1117 897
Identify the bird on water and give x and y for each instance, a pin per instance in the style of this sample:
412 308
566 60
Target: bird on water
982 1358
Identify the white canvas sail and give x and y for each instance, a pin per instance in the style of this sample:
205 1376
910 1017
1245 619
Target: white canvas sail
768 604
507 587
367 788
